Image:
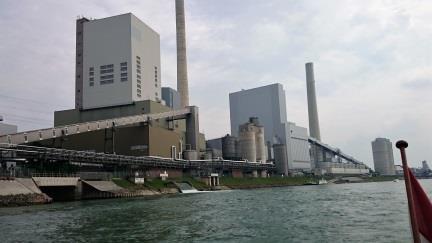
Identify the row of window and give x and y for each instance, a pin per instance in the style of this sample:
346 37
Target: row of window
107 74
138 70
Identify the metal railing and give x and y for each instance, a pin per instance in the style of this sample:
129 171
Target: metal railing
85 157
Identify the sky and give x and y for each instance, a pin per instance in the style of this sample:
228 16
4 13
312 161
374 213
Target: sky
372 61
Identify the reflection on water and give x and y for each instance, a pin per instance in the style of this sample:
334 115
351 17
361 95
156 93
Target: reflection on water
374 212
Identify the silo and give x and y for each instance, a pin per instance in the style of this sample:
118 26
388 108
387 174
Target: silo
260 144
247 142
280 158
229 147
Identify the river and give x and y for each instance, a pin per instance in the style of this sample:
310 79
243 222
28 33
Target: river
364 212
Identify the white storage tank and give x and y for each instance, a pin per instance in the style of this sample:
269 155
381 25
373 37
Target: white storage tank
247 142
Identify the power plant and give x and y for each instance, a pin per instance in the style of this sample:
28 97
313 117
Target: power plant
124 120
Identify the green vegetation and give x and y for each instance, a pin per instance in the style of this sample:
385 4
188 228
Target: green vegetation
157 184
123 183
197 184
265 182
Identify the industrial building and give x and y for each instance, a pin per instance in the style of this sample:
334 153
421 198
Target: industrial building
268 104
7 128
383 156
171 98
117 62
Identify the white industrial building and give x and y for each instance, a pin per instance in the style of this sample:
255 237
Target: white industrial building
383 156
268 104
117 62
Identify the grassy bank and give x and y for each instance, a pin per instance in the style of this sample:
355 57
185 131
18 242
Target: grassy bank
381 178
158 184
243 183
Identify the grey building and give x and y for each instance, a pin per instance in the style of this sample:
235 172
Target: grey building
171 98
383 156
117 62
268 104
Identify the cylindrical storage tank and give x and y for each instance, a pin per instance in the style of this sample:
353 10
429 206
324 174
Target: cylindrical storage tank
237 149
260 144
247 142
190 155
280 158
229 147
254 120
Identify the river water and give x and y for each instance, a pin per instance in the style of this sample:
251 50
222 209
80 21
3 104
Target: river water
364 212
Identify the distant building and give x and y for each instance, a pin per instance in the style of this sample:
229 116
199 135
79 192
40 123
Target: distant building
268 104
425 166
171 98
117 62
383 156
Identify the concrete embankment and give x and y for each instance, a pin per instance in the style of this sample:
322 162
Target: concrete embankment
21 192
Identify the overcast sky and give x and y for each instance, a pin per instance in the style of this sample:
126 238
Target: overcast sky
372 62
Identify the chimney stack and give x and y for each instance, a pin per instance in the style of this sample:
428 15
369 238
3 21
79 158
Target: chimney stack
314 130
182 77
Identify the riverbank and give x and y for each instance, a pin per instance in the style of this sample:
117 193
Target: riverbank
19 192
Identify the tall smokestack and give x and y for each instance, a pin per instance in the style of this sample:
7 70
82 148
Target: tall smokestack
314 129
182 77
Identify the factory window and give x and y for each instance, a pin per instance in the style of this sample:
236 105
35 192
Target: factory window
108 81
123 79
156 85
106 71
138 58
123 74
123 64
107 66
138 76
139 95
138 66
138 62
139 86
91 73
91 69
138 91
138 71
91 84
123 69
156 94
91 79
138 81
107 76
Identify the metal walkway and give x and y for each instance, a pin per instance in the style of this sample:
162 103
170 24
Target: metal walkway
54 132
335 151
9 151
